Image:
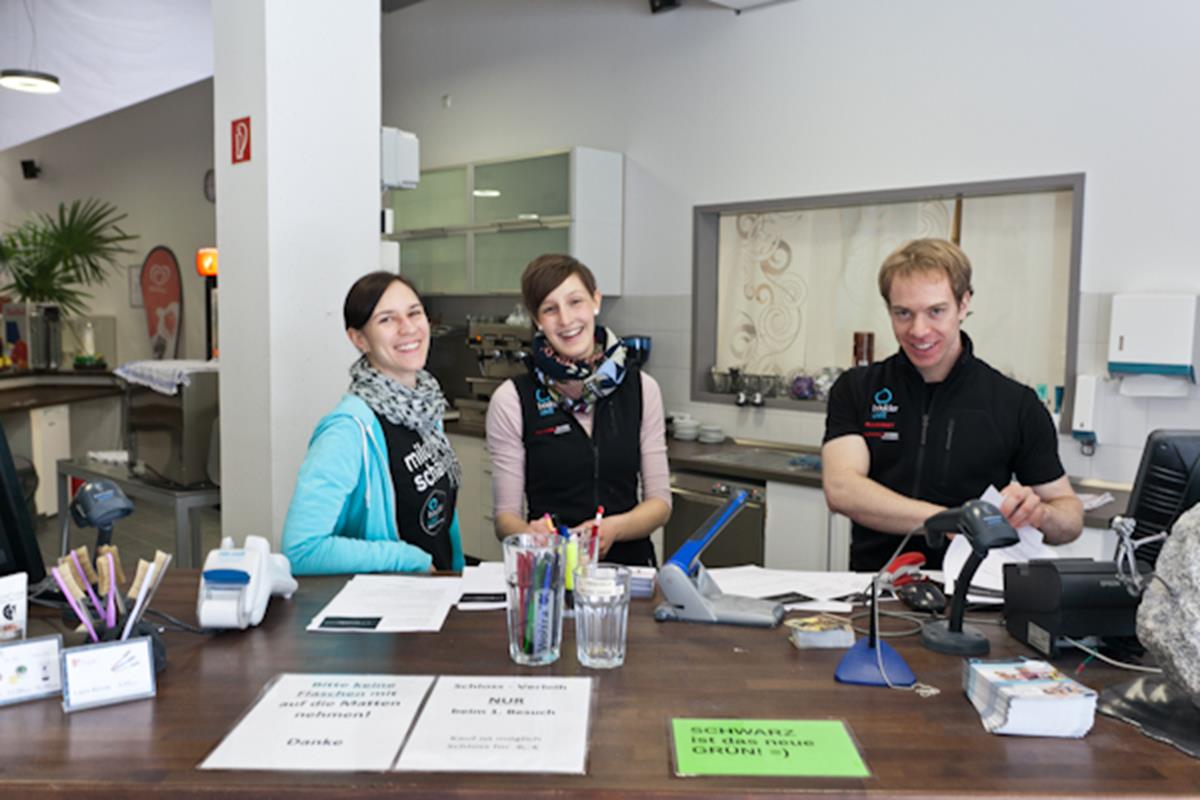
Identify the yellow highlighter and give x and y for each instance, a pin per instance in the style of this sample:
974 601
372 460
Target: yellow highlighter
572 559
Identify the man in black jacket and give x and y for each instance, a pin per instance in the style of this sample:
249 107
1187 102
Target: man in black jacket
933 426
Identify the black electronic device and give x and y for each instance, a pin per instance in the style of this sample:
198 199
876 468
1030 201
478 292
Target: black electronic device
18 538
1046 600
1167 484
30 169
985 528
922 596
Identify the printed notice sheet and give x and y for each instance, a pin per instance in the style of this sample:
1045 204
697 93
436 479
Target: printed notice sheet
502 724
324 723
389 604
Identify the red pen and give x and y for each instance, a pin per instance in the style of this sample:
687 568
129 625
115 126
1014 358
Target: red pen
596 531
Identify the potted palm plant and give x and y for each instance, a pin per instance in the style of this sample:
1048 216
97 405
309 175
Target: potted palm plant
51 258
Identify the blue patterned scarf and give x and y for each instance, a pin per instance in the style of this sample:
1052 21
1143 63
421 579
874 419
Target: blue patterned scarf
599 374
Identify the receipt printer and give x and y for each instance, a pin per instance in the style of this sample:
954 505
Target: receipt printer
1048 599
237 583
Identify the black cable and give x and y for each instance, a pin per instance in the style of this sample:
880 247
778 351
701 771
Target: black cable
179 625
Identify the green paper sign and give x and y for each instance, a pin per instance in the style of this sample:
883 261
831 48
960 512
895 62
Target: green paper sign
811 748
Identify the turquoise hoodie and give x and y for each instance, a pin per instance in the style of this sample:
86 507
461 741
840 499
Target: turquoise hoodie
342 518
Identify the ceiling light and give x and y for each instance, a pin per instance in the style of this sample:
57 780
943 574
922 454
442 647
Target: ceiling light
486 192
26 80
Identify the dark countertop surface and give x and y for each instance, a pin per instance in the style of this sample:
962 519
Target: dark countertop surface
52 389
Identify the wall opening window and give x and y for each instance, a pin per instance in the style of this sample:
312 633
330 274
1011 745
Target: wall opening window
782 287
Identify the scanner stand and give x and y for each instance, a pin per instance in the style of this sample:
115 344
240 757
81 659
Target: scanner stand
699 599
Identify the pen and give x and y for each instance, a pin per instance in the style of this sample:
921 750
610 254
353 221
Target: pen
531 617
70 597
549 523
595 544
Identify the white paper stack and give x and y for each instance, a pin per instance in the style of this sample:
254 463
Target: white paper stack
641 581
1028 698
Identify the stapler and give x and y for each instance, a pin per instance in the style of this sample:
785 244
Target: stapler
692 596
237 583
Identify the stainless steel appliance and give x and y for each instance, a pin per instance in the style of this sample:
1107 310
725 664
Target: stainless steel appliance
500 352
187 419
695 497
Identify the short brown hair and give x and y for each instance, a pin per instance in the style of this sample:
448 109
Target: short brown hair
546 273
927 256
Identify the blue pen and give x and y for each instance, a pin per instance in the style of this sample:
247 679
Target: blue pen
545 604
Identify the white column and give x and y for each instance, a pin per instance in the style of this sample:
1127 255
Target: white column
296 225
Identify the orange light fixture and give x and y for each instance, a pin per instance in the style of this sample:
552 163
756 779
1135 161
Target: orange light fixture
206 262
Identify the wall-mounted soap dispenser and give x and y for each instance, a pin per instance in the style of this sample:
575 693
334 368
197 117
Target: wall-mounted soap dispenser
1153 340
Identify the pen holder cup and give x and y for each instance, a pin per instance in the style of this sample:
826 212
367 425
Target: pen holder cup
140 628
534 570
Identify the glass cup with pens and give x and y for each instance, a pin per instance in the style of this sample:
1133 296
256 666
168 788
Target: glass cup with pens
534 570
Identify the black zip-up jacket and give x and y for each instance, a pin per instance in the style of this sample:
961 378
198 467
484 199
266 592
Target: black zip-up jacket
943 443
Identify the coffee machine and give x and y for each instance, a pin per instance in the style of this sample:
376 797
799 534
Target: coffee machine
501 351
39 326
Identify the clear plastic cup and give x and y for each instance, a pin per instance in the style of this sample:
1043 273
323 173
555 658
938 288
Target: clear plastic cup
534 567
601 614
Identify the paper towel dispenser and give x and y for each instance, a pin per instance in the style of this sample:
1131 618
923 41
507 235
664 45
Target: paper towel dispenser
1152 343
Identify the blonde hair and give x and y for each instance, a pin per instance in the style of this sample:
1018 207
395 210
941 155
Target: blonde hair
927 256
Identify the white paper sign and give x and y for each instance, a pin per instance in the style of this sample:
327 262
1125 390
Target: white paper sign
14 605
324 723
106 673
502 724
30 669
388 604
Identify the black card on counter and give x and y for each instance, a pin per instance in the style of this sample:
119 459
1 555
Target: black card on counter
356 623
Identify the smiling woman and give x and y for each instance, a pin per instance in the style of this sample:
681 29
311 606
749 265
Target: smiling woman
576 434
377 489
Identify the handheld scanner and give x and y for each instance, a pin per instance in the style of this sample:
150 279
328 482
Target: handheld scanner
688 554
982 523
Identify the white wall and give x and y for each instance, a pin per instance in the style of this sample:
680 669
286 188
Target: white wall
149 160
806 98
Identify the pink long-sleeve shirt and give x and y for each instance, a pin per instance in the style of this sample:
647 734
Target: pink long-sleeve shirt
505 442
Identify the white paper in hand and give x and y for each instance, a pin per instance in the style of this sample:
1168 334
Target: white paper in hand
991 572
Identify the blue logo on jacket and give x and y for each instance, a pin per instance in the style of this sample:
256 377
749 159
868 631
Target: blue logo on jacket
883 404
545 403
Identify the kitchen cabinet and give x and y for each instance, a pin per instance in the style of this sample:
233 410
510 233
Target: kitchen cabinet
475 520
471 229
797 527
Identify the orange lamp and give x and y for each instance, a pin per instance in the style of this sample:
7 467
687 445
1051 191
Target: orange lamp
206 262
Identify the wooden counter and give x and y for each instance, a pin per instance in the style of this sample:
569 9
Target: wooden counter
914 747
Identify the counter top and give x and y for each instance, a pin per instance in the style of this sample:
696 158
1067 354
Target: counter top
25 398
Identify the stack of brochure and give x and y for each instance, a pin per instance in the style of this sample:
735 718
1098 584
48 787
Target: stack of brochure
641 581
1028 698
819 631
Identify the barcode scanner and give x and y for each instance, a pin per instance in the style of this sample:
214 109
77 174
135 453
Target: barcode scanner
985 528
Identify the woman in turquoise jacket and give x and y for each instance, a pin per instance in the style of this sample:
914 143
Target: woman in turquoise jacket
377 489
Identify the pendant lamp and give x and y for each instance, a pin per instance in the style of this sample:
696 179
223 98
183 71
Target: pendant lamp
30 80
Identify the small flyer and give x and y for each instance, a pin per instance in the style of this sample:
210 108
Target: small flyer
324 723
821 748
30 669
502 724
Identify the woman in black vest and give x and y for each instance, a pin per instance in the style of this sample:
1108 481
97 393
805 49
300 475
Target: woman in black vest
578 431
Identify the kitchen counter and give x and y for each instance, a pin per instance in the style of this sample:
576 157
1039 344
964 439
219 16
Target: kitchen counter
22 391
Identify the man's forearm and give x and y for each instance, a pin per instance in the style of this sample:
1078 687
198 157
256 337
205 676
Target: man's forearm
1063 520
872 504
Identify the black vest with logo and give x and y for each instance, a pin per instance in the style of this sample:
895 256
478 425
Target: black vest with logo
425 497
568 474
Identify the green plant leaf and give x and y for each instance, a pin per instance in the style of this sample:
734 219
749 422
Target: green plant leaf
49 256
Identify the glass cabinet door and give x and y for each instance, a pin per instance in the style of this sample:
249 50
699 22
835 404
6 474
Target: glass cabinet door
439 201
437 265
500 257
532 188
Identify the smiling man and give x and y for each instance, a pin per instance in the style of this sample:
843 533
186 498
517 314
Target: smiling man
933 426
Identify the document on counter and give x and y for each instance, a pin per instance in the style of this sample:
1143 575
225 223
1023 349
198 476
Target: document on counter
483 587
502 724
389 604
326 723
798 590
990 575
